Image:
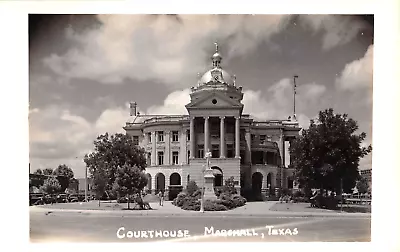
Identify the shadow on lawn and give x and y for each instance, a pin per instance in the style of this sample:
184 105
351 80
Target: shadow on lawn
120 206
347 209
356 209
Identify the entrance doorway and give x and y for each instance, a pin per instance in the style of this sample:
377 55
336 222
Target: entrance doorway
160 182
218 176
256 180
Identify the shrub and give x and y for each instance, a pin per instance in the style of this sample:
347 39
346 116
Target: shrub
214 206
218 191
180 199
229 187
298 194
196 194
223 203
191 187
191 203
241 200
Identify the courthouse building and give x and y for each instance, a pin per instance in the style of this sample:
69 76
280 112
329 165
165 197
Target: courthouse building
250 151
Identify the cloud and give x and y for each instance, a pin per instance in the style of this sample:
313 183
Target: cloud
337 29
58 136
357 74
174 104
170 49
277 101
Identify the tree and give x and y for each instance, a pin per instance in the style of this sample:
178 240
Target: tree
64 175
191 187
327 152
51 185
229 187
38 172
362 185
129 180
100 178
111 152
48 171
64 170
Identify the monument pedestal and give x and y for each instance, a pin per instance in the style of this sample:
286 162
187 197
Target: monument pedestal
209 185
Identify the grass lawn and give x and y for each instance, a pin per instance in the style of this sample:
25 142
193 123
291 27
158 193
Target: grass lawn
305 207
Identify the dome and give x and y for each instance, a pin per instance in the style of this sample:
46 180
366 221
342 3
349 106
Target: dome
225 78
217 55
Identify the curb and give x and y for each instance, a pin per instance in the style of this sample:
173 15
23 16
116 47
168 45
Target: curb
197 214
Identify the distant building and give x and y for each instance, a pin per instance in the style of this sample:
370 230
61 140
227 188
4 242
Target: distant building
81 185
73 185
367 174
250 151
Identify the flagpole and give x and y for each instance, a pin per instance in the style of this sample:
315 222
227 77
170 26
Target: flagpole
294 95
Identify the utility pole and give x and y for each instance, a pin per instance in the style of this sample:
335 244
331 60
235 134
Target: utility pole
294 95
86 185
341 194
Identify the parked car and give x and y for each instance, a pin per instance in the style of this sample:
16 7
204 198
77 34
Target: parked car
73 198
49 199
35 198
62 198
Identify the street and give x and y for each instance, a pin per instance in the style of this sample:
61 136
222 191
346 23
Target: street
89 227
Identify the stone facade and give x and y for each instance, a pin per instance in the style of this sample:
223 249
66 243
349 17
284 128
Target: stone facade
250 151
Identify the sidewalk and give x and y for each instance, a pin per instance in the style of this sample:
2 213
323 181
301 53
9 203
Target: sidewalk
260 209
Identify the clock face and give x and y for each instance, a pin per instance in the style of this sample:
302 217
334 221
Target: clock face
216 77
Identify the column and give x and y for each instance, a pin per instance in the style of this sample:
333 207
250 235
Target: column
248 142
237 137
282 149
153 184
167 153
206 134
222 136
153 149
192 137
183 151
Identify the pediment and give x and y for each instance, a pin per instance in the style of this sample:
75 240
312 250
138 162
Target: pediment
214 100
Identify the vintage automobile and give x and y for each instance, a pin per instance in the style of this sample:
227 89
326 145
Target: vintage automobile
62 198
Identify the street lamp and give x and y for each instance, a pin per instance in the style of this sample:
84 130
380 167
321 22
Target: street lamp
206 166
86 185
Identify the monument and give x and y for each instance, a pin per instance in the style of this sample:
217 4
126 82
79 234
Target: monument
208 188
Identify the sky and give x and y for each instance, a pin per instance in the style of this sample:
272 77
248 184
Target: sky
85 69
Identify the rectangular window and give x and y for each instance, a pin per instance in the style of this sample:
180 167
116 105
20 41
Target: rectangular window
252 137
188 135
269 138
160 158
149 137
257 157
270 158
262 139
229 148
200 152
160 136
135 140
149 158
188 155
175 159
175 137
215 151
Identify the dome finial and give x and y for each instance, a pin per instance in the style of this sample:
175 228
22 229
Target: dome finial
216 46
216 57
